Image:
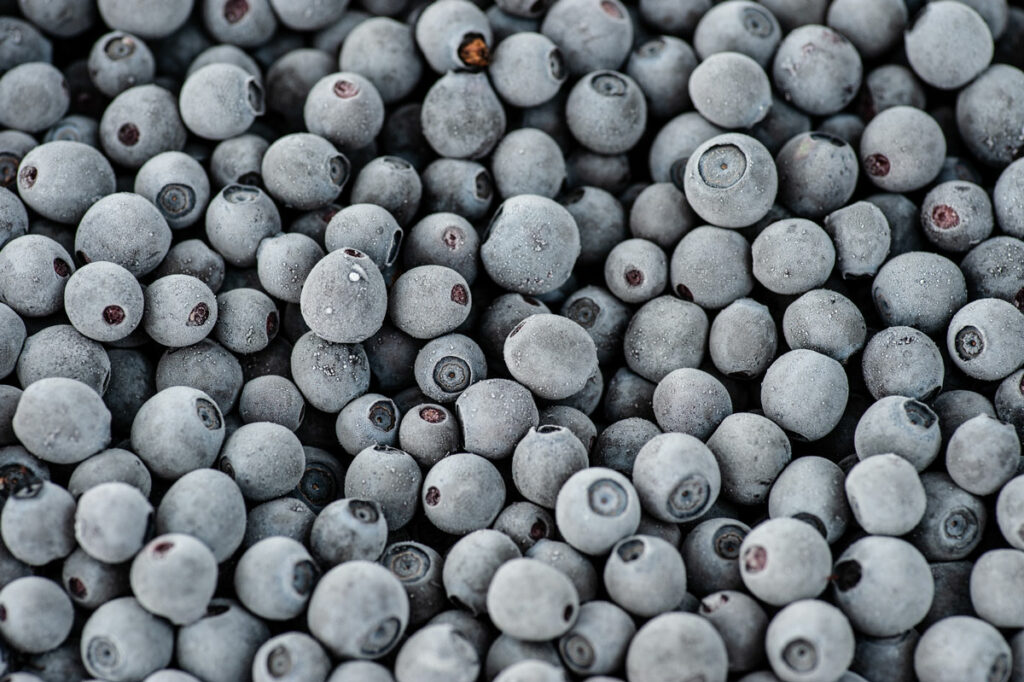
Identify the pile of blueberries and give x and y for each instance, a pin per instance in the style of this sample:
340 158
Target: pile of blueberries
511 340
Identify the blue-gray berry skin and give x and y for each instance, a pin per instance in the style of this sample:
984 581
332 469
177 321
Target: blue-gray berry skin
570 23
369 420
652 351
902 149
103 301
805 393
35 96
221 645
208 505
302 656
885 494
962 647
676 643
495 414
61 180
265 459
304 171
953 523
462 493
275 577
238 218
178 430
140 123
978 339
389 477
480 118
384 51
527 69
78 412
38 614
933 29
596 508
993 595
220 101
420 570
61 351
809 639
174 576
123 641
358 610
344 299
34 275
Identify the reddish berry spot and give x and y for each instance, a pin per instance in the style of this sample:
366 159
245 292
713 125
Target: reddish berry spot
77 588
755 559
61 267
199 315
28 175
353 253
271 325
634 277
432 415
113 314
945 217
128 134
684 292
538 530
345 89
433 496
877 165
460 295
162 548
8 169
234 10
612 9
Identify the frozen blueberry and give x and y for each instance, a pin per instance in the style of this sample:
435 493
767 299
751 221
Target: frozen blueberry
980 339
60 351
177 185
369 420
962 648
939 25
809 640
666 334
139 124
919 289
103 301
341 283
730 180
885 495
275 577
902 149
37 614
645 575
358 610
207 505
543 460
956 215
826 322
994 591
35 95
462 493
983 454
61 180
902 361
783 560
527 69
389 477
681 644
805 393
291 656
590 33
304 171
596 508
123 641
900 426
711 267
954 520
531 601
283 262
61 420
174 576
220 101
329 374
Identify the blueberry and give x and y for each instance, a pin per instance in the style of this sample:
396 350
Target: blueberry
809 640
962 648
676 644
597 641
220 101
932 29
123 641
174 576
207 505
358 610
783 560
730 180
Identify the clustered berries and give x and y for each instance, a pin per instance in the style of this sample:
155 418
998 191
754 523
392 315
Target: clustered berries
511 340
